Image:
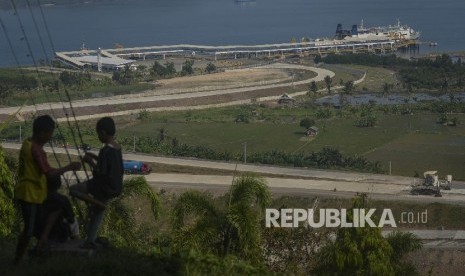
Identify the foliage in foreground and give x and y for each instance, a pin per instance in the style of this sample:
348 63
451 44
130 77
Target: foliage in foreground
218 237
124 261
120 224
7 210
231 228
364 251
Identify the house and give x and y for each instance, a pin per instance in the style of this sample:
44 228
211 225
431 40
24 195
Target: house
312 131
285 99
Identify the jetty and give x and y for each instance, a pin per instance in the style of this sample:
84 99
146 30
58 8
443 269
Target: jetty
117 58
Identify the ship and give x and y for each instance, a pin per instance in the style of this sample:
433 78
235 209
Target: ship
395 32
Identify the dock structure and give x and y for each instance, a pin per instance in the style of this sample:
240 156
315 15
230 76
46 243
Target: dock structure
120 57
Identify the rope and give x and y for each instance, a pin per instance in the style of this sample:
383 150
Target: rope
40 83
59 94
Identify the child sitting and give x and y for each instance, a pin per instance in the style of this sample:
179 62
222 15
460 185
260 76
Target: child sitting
107 182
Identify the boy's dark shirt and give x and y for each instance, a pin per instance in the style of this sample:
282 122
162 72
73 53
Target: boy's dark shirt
108 175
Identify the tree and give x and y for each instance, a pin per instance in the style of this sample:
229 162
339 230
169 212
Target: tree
313 87
231 228
74 79
142 68
242 118
125 76
120 223
307 123
401 244
170 69
317 59
356 250
187 68
7 209
328 82
158 70
349 87
210 68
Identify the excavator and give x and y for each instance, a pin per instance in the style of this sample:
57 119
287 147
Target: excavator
432 185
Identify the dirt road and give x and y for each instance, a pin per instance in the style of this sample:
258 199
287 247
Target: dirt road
126 104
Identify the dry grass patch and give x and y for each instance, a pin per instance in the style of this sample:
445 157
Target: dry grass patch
241 77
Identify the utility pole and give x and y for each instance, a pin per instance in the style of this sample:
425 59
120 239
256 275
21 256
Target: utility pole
134 144
20 134
99 59
390 167
245 152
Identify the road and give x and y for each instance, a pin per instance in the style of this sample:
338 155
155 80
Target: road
151 97
285 180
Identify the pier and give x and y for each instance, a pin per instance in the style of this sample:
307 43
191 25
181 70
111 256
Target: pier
120 57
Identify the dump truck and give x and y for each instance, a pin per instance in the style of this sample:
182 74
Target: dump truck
136 167
431 184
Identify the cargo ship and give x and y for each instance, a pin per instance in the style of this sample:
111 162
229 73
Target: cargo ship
395 32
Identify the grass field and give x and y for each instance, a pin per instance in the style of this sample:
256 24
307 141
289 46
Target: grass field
103 91
374 79
412 143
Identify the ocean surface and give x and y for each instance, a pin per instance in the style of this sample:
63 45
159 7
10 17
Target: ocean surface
220 22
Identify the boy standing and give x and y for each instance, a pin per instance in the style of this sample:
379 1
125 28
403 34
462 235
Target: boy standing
107 182
31 189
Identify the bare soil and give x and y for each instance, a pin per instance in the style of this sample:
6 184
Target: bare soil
216 99
227 78
439 261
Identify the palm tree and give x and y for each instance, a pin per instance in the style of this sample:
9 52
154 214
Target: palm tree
313 87
229 228
401 244
364 251
120 223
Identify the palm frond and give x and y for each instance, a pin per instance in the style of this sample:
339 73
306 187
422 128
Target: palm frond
250 189
403 243
205 236
138 186
119 222
246 224
193 203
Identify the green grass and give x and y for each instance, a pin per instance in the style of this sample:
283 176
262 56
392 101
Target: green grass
410 142
97 91
375 77
227 136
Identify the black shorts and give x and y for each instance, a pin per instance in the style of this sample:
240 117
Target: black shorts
32 214
96 191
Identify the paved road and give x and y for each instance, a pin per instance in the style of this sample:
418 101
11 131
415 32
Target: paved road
438 239
294 172
298 181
